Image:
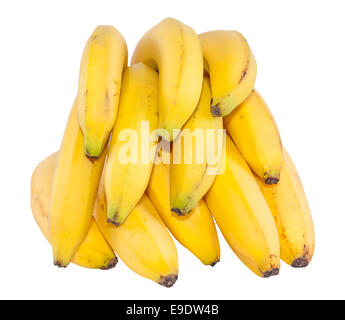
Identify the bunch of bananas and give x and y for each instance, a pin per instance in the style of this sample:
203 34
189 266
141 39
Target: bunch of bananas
95 197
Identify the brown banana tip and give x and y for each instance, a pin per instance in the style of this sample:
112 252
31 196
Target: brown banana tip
214 263
178 211
59 264
111 264
271 180
113 222
270 273
215 110
168 281
300 263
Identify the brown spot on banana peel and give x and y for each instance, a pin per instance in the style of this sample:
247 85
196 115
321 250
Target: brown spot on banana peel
214 263
243 75
215 110
59 264
271 180
107 107
111 264
244 72
168 281
179 212
302 261
270 273
113 222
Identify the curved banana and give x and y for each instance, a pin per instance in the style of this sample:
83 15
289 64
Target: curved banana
102 63
255 133
231 66
126 177
196 231
94 252
73 193
196 151
291 212
142 241
243 216
174 49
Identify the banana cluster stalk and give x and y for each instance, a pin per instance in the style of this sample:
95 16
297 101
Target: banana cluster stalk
179 142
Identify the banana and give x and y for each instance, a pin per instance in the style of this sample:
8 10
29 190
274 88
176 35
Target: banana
142 241
256 136
102 63
243 216
196 231
193 151
126 179
94 252
291 212
174 49
231 66
73 193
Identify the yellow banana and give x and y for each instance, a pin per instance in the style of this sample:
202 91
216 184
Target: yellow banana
291 212
196 231
195 154
73 193
174 49
142 241
126 178
256 136
94 252
102 63
231 66
243 215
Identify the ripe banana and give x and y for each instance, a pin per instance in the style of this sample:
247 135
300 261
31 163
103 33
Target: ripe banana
126 179
94 252
256 136
102 63
243 216
291 212
196 151
231 66
196 231
174 49
142 241
73 193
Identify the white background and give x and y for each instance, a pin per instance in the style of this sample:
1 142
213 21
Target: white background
300 51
